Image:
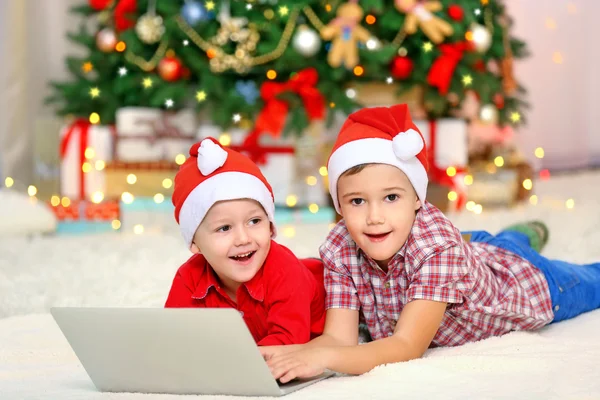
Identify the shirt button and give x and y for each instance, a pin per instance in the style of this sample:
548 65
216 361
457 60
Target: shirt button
556 308
560 289
387 285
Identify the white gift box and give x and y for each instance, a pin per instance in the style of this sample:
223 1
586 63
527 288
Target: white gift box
81 171
280 169
149 134
451 142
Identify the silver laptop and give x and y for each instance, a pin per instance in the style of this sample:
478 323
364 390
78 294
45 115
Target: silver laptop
170 350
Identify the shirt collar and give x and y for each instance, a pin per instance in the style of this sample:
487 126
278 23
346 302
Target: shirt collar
209 279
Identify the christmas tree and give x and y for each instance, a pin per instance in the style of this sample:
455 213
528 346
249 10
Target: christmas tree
229 58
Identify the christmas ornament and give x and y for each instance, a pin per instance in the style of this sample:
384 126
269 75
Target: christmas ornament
456 12
442 70
306 41
99 5
123 14
482 38
106 40
170 68
149 26
420 14
499 101
345 33
401 67
489 114
194 12
234 30
248 90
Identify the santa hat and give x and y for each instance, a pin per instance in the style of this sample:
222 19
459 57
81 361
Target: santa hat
380 135
214 173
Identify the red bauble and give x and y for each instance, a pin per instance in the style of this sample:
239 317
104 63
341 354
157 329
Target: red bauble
499 101
479 66
401 67
456 12
99 5
170 69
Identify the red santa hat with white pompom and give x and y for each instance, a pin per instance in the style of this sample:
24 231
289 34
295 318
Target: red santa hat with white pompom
215 173
380 135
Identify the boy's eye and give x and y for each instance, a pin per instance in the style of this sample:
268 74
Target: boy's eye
254 221
391 197
357 202
224 228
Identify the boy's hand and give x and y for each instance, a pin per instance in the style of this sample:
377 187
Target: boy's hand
303 363
269 351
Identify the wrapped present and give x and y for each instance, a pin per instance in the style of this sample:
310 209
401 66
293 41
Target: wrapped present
46 160
447 154
376 94
141 179
291 165
148 134
84 151
500 187
84 210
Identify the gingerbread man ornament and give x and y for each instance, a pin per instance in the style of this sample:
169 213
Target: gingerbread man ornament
345 32
420 14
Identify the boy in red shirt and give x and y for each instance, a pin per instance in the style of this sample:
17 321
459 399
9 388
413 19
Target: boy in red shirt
225 210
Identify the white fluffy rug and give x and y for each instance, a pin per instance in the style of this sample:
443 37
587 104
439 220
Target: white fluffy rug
560 361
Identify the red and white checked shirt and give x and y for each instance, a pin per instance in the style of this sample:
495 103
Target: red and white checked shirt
489 291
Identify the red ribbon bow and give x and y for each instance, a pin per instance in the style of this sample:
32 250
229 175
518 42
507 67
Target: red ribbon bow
443 67
272 117
123 12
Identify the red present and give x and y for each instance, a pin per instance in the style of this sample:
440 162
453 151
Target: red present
78 210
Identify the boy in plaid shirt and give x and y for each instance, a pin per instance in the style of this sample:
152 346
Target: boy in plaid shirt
397 261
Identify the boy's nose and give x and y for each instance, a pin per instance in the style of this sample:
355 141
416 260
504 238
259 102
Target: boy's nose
241 237
375 216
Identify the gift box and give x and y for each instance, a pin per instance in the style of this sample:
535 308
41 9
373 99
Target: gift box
500 187
84 210
84 151
83 216
148 134
291 165
46 159
141 179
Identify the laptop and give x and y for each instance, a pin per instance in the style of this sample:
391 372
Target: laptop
170 350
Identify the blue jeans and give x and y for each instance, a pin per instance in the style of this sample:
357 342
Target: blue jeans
574 288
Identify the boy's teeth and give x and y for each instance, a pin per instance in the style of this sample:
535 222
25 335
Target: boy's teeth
243 255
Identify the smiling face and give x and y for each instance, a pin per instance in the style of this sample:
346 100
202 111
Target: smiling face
235 238
378 204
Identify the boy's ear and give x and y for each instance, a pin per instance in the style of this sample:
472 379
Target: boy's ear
417 204
194 249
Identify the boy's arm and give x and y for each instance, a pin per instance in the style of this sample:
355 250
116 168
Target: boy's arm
418 323
288 297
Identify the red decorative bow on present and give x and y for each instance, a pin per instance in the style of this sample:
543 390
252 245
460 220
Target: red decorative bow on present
442 70
440 176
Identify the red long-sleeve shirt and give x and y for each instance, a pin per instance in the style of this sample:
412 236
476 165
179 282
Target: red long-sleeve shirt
284 303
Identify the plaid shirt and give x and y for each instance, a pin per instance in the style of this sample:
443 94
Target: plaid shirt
489 291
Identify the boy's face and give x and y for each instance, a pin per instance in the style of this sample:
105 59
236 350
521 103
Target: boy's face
235 238
378 205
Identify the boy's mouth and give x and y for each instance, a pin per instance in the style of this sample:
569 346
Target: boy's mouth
243 257
377 237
